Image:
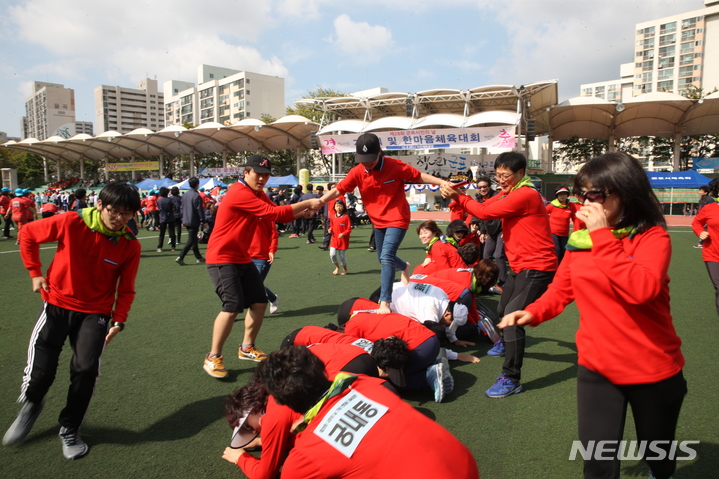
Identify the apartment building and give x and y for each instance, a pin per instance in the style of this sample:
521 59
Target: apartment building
224 96
50 111
613 90
125 109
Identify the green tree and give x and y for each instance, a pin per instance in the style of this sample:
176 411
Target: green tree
29 166
576 151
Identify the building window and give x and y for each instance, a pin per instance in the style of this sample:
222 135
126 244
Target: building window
206 92
667 28
687 47
646 66
665 85
667 40
212 75
689 23
667 51
687 59
666 62
666 73
686 71
688 35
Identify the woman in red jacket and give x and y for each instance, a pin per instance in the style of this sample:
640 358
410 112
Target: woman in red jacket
561 212
628 350
709 216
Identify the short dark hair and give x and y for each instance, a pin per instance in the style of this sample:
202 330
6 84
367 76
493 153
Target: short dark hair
431 226
469 253
486 179
705 189
80 194
623 175
457 226
175 191
251 397
164 191
513 160
295 377
193 182
391 353
714 187
341 202
120 195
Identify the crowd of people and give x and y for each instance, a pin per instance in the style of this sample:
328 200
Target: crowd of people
329 402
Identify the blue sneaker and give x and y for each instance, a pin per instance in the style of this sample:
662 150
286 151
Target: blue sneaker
503 388
440 379
497 349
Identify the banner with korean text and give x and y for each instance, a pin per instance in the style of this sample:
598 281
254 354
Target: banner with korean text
223 171
136 166
430 138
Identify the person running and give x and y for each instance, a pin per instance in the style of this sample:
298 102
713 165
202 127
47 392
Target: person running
529 247
93 241
381 180
340 229
628 350
236 279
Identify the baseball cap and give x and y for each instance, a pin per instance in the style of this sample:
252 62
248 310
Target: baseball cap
19 192
259 163
5 188
367 148
241 437
561 189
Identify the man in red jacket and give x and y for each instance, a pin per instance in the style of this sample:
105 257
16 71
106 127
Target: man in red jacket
236 279
90 312
530 250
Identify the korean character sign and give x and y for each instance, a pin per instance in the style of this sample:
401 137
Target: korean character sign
347 422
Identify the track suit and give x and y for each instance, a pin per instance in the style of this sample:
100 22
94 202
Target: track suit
92 282
708 217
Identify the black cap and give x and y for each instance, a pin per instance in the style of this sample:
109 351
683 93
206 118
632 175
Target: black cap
368 148
259 163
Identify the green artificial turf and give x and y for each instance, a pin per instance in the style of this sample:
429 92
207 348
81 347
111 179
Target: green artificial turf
156 413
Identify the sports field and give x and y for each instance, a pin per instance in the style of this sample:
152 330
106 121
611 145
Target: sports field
157 414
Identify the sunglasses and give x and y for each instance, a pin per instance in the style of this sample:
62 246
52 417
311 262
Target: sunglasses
594 196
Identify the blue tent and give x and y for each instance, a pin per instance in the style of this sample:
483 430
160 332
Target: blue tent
276 181
154 183
677 179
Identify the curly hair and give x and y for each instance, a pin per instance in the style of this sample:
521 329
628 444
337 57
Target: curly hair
252 398
295 377
486 272
391 353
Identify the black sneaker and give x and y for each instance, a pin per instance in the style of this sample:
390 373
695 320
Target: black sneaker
22 425
73 447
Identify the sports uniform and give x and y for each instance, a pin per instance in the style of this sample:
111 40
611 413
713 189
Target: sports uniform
708 217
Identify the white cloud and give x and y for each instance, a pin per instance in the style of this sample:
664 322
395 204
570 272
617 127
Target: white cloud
361 38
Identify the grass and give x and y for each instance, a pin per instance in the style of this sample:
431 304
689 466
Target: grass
156 413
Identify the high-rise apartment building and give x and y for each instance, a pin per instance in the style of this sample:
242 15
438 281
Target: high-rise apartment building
223 96
126 109
670 54
50 111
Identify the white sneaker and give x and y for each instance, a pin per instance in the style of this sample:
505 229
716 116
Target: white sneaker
275 305
73 447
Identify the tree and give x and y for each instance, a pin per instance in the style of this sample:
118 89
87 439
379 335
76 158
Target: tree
29 166
574 152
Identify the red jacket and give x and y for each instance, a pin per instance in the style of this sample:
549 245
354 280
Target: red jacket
22 208
621 288
708 216
443 255
87 266
382 191
525 226
560 217
151 203
340 225
370 418
277 440
264 240
335 356
373 326
316 334
236 222
4 204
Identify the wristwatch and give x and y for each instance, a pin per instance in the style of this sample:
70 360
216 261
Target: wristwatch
117 323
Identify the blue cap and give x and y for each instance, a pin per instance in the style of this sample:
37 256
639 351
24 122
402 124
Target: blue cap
5 189
19 192
202 189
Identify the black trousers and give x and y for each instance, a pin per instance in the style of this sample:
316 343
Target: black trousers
191 243
520 290
171 229
178 229
602 412
87 333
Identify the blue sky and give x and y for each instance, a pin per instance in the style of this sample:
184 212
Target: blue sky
342 45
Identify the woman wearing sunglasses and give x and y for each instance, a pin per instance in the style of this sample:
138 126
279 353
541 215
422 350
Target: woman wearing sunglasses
628 350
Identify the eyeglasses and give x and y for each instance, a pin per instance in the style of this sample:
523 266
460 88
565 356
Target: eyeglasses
594 196
116 213
503 177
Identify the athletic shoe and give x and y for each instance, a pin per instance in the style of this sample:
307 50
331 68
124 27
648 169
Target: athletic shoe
215 367
497 349
371 250
698 246
503 388
323 247
169 241
179 242
252 354
274 305
496 289
179 261
73 447
200 260
438 380
293 236
22 425
158 250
